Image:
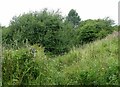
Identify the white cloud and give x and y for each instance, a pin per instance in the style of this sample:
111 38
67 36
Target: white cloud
87 9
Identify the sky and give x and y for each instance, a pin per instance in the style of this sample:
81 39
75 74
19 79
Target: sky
87 9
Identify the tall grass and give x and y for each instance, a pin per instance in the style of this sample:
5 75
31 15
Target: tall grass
93 63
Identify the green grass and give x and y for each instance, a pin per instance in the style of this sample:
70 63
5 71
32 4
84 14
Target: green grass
93 63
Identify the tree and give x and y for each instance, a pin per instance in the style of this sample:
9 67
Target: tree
44 28
90 30
73 18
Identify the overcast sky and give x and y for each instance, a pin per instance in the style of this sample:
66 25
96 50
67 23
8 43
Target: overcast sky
87 9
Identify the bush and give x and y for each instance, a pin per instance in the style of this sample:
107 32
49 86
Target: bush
87 35
53 32
84 65
45 28
90 30
23 66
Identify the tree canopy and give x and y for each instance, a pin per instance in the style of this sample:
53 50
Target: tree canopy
52 31
73 18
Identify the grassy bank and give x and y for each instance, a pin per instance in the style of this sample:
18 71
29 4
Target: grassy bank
93 63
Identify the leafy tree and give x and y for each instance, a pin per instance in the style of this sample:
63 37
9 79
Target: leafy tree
73 18
42 28
55 34
90 30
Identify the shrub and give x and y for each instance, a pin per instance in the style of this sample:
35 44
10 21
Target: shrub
22 66
43 28
90 30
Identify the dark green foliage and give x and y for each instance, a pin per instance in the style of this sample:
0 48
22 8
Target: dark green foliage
45 28
91 30
7 36
73 18
118 28
50 30
87 33
81 66
25 63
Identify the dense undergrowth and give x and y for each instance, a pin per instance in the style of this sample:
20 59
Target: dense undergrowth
93 63
45 48
57 34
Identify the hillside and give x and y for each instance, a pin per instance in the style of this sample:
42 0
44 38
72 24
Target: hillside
93 63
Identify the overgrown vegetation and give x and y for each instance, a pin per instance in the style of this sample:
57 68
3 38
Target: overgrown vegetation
45 48
56 33
94 63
